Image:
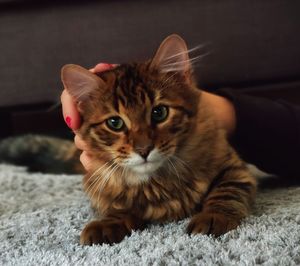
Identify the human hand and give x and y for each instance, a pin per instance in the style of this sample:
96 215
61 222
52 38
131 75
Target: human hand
223 110
73 120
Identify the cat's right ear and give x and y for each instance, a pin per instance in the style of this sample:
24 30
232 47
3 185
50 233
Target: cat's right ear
172 55
80 82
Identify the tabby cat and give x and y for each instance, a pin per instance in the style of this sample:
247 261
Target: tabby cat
160 154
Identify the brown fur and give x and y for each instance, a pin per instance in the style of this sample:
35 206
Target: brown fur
206 179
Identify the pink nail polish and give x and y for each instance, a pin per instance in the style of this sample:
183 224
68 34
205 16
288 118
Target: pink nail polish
68 121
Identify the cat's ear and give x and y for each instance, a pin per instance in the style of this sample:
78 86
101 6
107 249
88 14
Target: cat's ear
172 55
80 82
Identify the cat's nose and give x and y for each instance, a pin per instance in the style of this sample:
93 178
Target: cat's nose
144 151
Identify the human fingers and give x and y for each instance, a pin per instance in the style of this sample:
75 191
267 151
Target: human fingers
80 144
102 67
70 112
86 160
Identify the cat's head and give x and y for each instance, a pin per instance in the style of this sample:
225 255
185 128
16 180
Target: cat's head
138 116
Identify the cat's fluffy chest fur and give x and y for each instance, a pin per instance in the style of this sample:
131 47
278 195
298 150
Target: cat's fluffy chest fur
155 200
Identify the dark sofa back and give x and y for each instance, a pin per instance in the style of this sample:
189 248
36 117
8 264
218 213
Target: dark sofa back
249 42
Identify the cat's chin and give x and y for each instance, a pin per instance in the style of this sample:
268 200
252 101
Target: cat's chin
146 169
141 173
143 169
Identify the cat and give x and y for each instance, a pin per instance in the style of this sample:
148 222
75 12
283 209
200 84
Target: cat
160 155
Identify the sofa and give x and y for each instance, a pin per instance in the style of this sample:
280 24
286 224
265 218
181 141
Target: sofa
252 46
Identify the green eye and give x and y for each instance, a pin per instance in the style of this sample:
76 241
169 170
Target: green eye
115 123
159 113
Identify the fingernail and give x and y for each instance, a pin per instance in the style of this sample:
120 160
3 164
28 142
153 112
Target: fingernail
107 65
68 121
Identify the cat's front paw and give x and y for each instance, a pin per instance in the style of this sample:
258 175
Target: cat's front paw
211 223
106 231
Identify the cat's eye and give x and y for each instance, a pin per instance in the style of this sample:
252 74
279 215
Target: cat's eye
115 123
159 113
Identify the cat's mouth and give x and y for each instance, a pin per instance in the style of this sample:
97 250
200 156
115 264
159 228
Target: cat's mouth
146 167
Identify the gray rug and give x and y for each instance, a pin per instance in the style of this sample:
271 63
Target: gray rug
42 216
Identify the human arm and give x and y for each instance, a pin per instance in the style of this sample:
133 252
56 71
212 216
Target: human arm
266 132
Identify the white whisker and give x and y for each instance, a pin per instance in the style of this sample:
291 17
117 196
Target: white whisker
102 184
165 82
100 174
107 177
198 47
95 172
177 66
98 180
176 172
184 164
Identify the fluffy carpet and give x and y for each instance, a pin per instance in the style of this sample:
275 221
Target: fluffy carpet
42 216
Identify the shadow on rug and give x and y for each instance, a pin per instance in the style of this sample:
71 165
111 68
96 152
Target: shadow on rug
42 216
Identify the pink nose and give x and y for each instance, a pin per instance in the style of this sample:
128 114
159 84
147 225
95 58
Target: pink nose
144 151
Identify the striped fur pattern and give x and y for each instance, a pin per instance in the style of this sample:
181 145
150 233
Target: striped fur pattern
156 171
41 154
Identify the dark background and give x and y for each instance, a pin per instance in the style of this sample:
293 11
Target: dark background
252 46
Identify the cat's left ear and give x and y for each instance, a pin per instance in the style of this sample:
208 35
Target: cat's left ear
80 82
172 55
